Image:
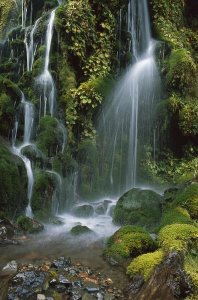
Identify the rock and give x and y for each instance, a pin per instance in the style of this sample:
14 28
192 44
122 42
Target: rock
100 209
6 229
64 281
84 211
138 207
61 263
29 225
11 267
169 281
79 230
91 290
87 296
100 296
137 283
41 297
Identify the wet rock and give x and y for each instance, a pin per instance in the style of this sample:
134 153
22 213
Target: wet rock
169 281
26 284
138 207
61 263
137 283
84 211
41 297
79 230
60 288
100 296
64 281
29 225
6 229
11 267
87 296
91 290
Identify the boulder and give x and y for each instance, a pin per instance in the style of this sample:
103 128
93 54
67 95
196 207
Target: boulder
138 207
79 230
84 211
29 225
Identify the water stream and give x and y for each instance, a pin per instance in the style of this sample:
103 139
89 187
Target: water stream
125 124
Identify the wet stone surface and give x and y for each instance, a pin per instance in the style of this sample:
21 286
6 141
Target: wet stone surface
60 279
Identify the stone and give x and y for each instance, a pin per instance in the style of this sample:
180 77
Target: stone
61 263
138 207
64 281
11 267
80 230
92 290
41 297
83 211
100 296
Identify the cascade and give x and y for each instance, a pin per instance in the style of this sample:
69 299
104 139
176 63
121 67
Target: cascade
125 124
30 45
45 80
17 150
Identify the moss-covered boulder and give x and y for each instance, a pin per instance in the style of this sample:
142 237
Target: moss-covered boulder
138 207
80 230
29 225
177 215
178 237
188 199
128 241
83 211
13 183
145 264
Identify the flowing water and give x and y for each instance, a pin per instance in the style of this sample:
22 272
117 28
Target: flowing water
125 124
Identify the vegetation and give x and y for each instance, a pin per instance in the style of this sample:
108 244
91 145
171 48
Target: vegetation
128 241
145 264
79 230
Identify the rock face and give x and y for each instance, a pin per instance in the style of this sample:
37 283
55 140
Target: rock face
169 282
138 207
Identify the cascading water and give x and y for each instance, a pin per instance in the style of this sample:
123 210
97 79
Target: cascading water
126 120
30 45
17 150
45 80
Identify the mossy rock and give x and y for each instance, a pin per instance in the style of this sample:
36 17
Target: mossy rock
190 267
13 183
80 230
128 241
188 199
178 237
177 215
29 225
83 211
145 264
138 207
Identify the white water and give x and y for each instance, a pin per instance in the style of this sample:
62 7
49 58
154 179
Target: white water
30 45
17 150
126 120
45 80
57 197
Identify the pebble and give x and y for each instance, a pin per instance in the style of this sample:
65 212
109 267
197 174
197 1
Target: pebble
41 297
11 267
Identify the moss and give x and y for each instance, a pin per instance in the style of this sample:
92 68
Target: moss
177 237
128 241
5 8
190 267
13 183
181 79
79 230
188 199
145 264
138 207
24 223
177 215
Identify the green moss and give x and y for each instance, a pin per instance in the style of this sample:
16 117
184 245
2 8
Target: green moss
24 223
188 199
5 8
177 237
79 230
128 241
190 267
177 215
138 207
13 183
145 264
181 79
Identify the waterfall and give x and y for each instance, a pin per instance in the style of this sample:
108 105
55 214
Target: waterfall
125 124
30 45
45 80
17 150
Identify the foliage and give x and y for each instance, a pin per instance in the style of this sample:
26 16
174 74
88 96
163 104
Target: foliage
128 241
145 264
177 237
181 79
5 8
188 199
49 136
